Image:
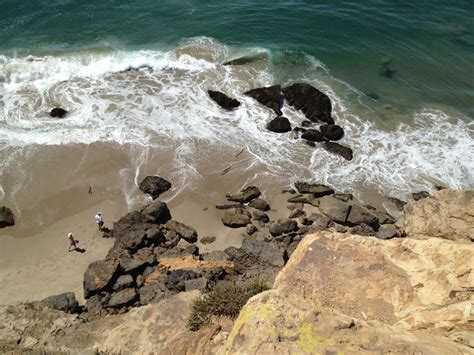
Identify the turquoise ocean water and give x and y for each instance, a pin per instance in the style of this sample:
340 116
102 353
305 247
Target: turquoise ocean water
430 43
400 75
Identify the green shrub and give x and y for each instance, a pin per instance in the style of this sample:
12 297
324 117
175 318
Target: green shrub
226 299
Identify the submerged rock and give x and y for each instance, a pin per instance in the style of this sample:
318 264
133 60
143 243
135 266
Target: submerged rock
315 105
223 100
268 96
7 218
279 125
338 149
58 112
245 195
154 186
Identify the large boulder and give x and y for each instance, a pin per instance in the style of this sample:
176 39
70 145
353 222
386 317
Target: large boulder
279 125
184 231
154 186
245 195
157 212
315 105
448 214
236 217
317 190
268 96
338 149
124 281
142 235
332 132
7 218
223 100
65 302
343 293
359 215
100 275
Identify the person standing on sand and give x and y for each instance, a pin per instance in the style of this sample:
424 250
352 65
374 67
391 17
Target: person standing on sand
72 242
99 220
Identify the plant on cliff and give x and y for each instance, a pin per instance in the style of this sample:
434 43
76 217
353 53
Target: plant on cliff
225 299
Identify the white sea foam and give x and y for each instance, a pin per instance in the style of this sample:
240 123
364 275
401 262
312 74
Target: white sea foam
166 102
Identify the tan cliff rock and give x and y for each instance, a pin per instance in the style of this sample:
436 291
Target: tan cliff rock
350 293
448 214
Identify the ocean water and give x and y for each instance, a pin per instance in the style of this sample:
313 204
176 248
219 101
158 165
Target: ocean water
136 73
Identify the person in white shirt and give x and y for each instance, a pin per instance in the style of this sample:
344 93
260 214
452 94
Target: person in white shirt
99 220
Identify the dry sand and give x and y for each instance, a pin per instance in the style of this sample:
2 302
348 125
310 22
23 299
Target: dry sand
38 266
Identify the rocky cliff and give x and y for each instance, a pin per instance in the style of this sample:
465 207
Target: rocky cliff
338 293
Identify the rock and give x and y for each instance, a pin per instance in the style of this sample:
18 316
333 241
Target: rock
228 206
283 226
398 203
185 232
216 255
153 292
335 209
123 298
259 204
319 220
268 96
304 199
313 135
223 100
279 125
336 227
315 105
148 271
260 216
207 240
388 231
338 149
58 112
364 230
383 217
306 123
343 197
100 275
448 214
175 281
366 296
297 213
133 266
157 212
251 229
245 195
317 190
267 253
124 281
65 302
332 132
236 217
144 235
7 218
358 215
420 195
154 186
195 284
